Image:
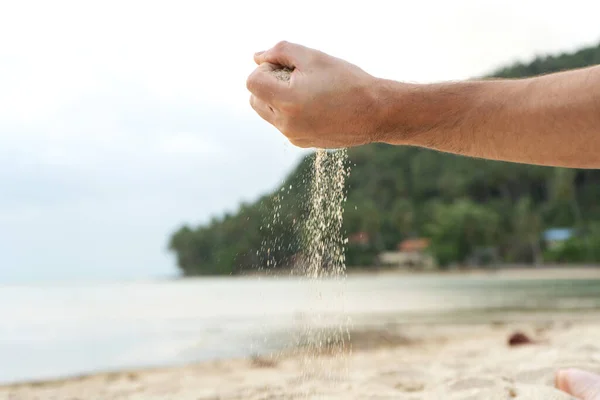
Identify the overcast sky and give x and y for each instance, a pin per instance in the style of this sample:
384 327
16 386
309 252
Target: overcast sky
121 120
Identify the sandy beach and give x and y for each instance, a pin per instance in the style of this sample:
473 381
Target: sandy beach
461 361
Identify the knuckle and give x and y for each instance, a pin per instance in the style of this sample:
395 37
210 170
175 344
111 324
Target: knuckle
282 45
250 82
283 128
292 108
257 84
303 144
286 128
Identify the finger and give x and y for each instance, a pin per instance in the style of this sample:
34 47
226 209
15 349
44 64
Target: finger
286 54
265 111
301 143
580 384
321 144
265 85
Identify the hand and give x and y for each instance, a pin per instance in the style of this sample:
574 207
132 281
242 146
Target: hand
327 103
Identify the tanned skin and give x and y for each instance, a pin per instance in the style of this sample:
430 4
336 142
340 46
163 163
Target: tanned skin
329 103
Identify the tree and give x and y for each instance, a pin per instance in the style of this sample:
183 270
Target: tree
527 224
458 229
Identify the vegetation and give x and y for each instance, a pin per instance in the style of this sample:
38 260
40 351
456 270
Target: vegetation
463 205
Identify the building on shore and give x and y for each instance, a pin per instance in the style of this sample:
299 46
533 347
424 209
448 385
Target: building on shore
410 254
556 237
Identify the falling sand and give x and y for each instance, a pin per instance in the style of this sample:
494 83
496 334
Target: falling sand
323 247
325 259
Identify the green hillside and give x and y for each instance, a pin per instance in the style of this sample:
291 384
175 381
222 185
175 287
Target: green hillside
463 205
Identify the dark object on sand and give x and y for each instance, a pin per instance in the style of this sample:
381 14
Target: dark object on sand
518 339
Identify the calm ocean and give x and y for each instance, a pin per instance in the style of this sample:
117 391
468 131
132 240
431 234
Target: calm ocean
49 331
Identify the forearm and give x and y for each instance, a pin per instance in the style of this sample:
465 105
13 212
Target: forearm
547 120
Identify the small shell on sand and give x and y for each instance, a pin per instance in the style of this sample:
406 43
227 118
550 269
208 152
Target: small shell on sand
283 74
518 339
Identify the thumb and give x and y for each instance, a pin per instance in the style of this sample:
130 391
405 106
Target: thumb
581 384
285 54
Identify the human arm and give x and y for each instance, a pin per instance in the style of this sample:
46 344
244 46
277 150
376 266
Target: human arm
547 120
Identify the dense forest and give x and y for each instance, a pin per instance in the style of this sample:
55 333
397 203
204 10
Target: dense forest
464 206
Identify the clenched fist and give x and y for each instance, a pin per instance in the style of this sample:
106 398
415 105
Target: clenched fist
326 103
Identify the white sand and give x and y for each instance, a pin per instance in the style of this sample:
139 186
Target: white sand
426 362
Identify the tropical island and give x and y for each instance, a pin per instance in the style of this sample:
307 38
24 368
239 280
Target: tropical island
418 208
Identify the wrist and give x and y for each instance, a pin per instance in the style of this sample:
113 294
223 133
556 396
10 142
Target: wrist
390 119
420 114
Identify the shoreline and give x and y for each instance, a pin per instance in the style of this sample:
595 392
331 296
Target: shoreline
517 272
403 362
385 334
444 347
